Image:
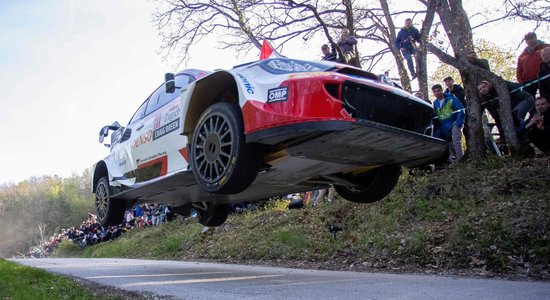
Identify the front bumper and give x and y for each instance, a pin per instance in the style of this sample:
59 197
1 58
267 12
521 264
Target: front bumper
359 143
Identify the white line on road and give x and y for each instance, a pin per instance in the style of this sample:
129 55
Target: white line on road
91 265
198 280
156 275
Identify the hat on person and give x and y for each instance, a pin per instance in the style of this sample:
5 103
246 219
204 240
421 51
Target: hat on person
447 78
530 35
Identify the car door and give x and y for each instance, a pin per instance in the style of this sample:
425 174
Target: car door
158 148
123 168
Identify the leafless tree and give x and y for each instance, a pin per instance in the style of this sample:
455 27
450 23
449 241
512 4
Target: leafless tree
530 10
41 232
244 24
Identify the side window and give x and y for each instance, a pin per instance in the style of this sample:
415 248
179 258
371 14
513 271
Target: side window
139 113
160 98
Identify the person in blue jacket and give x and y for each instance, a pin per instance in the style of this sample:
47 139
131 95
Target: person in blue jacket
405 42
449 120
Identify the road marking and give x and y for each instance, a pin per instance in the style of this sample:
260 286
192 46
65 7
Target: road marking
287 282
188 281
156 275
91 265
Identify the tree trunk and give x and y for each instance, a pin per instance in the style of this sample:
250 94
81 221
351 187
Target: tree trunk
471 75
457 26
475 143
505 113
422 54
403 75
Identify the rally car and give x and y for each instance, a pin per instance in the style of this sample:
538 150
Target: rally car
204 140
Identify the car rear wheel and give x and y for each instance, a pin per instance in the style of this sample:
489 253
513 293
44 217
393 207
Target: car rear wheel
212 215
109 211
370 186
222 161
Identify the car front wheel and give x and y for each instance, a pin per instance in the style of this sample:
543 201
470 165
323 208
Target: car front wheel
370 186
222 161
109 211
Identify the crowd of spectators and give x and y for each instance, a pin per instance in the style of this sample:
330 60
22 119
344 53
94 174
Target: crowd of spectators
528 118
450 106
90 232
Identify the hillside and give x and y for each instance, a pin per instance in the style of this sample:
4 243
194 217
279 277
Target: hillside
488 219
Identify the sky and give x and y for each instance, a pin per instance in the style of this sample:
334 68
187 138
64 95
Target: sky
69 67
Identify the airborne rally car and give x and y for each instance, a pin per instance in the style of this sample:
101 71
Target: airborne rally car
267 128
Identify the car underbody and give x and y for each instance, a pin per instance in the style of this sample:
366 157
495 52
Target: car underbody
306 159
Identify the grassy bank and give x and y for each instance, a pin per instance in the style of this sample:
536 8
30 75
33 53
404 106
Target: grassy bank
490 219
20 282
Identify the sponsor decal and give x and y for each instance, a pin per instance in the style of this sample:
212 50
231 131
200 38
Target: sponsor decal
345 113
166 129
152 167
122 163
156 122
247 85
172 114
151 157
307 75
143 139
277 94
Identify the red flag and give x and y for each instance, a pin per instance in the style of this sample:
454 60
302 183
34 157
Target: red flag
267 50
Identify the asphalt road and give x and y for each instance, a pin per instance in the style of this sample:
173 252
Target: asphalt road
191 280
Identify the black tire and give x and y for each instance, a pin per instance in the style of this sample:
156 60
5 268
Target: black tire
375 185
222 162
213 215
109 211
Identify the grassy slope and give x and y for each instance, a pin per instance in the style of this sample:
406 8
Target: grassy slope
19 282
489 219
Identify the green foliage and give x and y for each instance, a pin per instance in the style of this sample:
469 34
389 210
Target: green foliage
49 201
20 282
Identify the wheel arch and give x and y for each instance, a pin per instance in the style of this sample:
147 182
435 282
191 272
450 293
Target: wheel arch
100 170
218 87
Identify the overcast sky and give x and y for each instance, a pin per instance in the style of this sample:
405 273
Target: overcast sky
69 67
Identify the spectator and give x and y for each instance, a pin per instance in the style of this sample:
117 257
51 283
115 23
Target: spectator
128 216
538 128
454 89
138 211
321 195
450 117
529 63
458 92
328 54
544 70
480 62
405 42
521 102
346 43
421 96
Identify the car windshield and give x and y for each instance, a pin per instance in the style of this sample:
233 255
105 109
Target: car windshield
283 66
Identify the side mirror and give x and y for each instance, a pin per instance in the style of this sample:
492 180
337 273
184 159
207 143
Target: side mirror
104 132
169 83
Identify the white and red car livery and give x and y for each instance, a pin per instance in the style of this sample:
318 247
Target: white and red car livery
267 128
